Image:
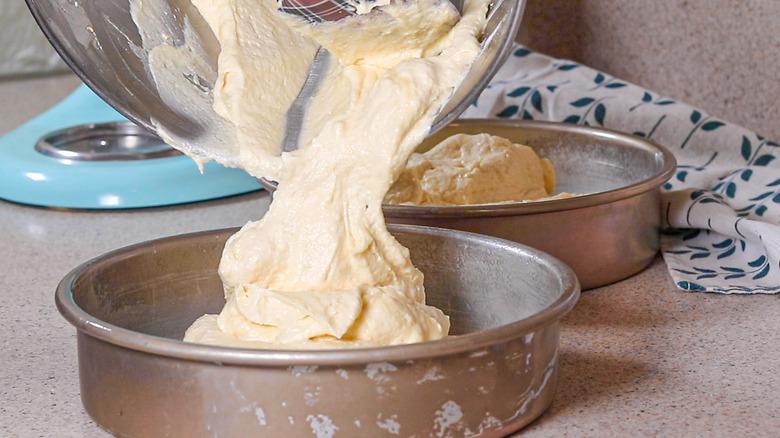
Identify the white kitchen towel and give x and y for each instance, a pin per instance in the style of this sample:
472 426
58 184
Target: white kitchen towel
721 210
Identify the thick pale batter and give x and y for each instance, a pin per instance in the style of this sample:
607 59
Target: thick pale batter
320 268
473 169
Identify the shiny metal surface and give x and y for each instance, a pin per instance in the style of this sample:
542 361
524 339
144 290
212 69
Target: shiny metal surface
609 233
101 44
498 374
115 141
319 11
502 26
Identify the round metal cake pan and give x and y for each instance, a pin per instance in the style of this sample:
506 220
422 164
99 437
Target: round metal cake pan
495 375
607 233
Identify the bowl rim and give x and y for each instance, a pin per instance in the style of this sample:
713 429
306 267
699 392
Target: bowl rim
89 325
653 182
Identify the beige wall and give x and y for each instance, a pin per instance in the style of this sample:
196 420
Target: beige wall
720 55
24 49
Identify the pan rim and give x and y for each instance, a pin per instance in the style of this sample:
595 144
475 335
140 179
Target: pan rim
89 325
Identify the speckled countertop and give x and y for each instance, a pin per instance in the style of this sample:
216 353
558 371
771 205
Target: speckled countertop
638 358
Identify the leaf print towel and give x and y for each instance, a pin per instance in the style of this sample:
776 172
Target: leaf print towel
721 224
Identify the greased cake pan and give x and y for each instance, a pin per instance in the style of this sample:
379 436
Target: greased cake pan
609 232
495 375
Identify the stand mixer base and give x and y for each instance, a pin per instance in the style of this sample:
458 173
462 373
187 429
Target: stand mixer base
83 154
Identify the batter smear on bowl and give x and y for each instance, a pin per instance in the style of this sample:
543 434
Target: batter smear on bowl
320 268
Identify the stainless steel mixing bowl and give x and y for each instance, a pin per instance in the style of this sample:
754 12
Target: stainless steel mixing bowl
100 43
496 375
609 233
